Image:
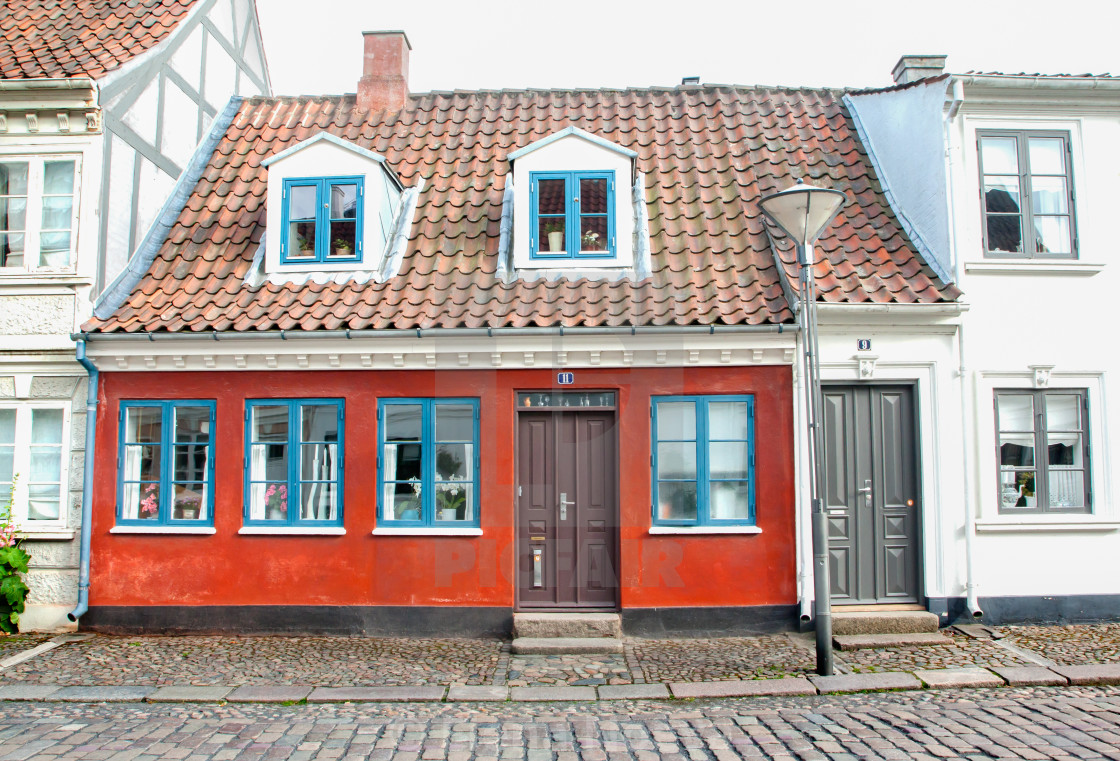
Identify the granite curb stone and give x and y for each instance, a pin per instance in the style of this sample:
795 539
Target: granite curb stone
185 693
533 694
872 682
477 692
633 691
959 677
281 693
27 691
1030 676
93 694
1098 673
422 693
743 688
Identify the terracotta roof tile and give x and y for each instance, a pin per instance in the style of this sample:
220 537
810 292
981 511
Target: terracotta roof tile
708 153
80 38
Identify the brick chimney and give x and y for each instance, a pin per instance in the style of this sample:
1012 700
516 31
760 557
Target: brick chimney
913 67
384 82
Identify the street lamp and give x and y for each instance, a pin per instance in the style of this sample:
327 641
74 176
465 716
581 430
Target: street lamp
803 212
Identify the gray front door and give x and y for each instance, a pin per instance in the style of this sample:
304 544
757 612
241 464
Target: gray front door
872 493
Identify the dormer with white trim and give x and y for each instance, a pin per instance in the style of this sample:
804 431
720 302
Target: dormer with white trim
573 204
331 208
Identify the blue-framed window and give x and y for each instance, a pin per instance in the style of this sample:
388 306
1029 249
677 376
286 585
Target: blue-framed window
572 215
166 463
427 463
322 220
293 462
703 460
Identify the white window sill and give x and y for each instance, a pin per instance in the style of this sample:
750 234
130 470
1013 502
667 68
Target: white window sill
1034 267
47 535
420 531
162 530
699 530
1041 523
292 530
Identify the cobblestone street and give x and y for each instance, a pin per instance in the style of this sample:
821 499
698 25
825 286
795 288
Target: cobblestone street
1035 723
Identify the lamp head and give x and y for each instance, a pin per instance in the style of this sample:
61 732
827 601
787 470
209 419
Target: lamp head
802 211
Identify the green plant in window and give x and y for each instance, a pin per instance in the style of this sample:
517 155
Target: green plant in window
590 240
1026 484
553 227
451 497
13 565
342 243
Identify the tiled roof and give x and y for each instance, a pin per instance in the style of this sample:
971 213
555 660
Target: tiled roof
1106 75
708 154
56 39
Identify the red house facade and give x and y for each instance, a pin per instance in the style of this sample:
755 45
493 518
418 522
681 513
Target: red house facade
410 363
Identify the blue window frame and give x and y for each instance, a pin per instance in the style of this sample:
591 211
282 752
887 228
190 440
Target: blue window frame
166 463
293 462
322 220
428 462
703 460
572 215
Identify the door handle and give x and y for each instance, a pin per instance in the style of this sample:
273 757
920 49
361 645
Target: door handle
564 502
866 492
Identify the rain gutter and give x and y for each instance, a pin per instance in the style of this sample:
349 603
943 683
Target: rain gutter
87 484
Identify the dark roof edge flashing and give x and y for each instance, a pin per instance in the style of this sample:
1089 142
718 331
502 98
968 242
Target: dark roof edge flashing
122 286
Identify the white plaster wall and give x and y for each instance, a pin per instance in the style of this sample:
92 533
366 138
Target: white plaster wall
1043 312
325 159
574 154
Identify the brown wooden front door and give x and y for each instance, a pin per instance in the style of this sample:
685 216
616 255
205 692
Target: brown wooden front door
567 509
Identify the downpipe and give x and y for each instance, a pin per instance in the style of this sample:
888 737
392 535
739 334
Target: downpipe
971 600
87 484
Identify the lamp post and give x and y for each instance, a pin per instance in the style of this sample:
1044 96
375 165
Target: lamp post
803 212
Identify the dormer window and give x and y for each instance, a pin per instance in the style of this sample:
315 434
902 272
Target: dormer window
322 220
573 215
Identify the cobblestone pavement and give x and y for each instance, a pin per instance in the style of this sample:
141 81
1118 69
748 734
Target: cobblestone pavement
709 660
9 646
1068 645
963 652
1036 723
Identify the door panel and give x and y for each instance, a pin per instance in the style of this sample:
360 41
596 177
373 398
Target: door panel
567 511
872 493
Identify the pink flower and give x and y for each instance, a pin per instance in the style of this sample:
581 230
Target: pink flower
150 504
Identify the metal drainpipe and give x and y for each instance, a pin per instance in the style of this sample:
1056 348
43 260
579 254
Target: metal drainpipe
970 598
87 484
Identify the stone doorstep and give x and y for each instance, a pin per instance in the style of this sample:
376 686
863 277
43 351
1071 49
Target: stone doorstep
567 625
1097 673
565 645
884 622
743 688
878 641
954 678
867 682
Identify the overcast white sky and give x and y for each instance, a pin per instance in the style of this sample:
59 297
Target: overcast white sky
603 43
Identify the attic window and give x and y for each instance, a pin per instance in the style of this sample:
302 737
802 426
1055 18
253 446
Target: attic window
573 215
322 219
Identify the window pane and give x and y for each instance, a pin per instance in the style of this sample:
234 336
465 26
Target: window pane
593 195
270 423
7 426
142 462
1047 155
1052 235
302 202
453 502
676 501
453 462
191 423
402 502
7 465
1064 449
731 501
1067 488
57 212
1001 195
143 424
402 462
46 465
54 249
319 462
344 201
593 234
190 502
58 177
728 420
551 197
301 239
268 502
550 234
13 213
149 500
11 250
190 462
46 426
454 422
43 502
320 422
999 155
676 460
13 178
343 240
319 502
1017 489
1063 412
269 462
1049 195
728 459
402 422
1016 449
1016 412
676 421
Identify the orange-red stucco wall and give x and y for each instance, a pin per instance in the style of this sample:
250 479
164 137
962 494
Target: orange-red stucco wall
362 569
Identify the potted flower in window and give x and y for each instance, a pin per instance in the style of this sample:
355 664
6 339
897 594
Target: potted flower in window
590 241
451 502
555 233
188 506
276 502
306 246
343 247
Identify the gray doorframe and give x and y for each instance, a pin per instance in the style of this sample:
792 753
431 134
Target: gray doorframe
919 493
